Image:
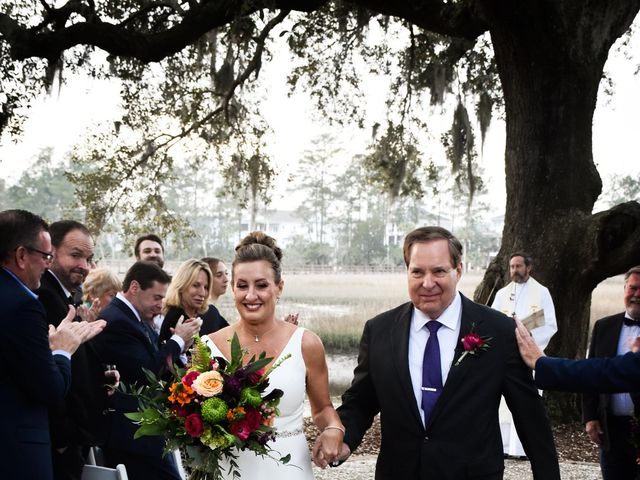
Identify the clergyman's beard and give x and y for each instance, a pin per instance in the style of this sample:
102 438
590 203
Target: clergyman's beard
517 278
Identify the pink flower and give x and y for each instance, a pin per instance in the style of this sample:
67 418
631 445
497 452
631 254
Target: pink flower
189 378
179 410
193 425
253 418
240 429
471 342
254 377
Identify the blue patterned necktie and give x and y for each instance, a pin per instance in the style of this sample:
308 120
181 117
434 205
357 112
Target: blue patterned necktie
431 372
151 333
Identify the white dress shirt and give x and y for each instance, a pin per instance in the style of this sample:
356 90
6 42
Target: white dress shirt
621 403
447 338
124 300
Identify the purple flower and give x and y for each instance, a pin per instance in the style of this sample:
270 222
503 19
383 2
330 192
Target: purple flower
232 387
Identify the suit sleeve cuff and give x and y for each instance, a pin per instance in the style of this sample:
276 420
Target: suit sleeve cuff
64 354
178 339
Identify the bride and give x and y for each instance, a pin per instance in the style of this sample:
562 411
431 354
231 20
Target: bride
257 286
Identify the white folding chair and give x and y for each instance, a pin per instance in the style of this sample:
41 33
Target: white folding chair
94 472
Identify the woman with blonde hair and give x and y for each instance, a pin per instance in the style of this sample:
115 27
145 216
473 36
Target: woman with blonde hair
187 297
257 285
101 284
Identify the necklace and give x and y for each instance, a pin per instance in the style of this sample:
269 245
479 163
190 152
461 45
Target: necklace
257 337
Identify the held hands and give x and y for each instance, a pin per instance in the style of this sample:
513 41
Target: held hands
186 329
329 449
69 334
529 351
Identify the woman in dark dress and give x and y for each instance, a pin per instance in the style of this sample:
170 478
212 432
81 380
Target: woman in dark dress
219 281
188 296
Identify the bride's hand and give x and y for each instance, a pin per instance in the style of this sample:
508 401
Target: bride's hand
329 448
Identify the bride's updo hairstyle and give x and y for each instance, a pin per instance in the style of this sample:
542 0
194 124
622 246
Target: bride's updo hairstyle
259 246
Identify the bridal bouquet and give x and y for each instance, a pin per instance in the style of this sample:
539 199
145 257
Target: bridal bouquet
211 409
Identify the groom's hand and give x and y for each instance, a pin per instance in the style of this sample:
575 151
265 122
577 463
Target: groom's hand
325 452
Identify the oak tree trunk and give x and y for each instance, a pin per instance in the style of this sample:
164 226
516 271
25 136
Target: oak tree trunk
550 67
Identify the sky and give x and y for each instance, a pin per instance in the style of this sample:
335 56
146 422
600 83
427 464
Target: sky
59 119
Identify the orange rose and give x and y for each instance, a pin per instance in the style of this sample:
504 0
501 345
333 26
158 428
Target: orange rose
208 384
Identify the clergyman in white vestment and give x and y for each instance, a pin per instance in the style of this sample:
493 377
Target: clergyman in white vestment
519 299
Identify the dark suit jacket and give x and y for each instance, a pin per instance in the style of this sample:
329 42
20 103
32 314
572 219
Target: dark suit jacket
594 375
604 343
79 419
462 437
212 321
126 343
31 379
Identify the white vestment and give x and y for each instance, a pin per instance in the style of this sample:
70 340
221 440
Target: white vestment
523 299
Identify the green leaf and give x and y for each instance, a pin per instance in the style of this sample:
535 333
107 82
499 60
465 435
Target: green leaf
147 430
236 350
135 416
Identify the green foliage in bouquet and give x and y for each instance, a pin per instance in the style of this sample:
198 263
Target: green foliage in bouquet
211 409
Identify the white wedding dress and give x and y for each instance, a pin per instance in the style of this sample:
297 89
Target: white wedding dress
290 439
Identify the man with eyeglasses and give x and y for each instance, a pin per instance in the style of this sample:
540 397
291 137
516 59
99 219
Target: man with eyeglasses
522 297
77 423
36 358
435 368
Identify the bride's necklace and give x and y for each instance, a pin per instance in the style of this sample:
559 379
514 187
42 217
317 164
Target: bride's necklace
257 337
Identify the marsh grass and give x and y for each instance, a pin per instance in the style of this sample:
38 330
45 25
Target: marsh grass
336 306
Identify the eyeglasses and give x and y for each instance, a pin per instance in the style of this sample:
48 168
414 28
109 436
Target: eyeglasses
47 257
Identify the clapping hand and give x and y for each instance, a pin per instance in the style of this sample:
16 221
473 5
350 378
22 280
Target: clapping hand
186 329
89 314
292 318
69 334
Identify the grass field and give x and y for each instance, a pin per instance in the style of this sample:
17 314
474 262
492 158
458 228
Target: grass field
336 306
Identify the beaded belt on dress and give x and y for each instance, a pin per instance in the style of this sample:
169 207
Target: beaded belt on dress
289 433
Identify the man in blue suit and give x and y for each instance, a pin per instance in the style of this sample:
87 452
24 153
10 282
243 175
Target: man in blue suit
130 342
616 374
36 361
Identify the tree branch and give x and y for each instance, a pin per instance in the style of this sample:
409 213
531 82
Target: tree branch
455 19
616 233
121 41
256 62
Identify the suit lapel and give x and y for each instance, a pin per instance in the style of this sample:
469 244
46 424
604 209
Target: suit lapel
135 323
459 372
400 348
612 336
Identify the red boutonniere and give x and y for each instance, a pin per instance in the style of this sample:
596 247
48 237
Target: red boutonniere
473 344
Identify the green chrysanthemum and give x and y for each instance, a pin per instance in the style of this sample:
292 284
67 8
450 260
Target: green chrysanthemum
251 397
216 440
214 410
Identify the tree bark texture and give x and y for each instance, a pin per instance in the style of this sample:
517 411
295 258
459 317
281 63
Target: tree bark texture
550 59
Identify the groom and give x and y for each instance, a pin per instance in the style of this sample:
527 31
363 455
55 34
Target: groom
439 406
